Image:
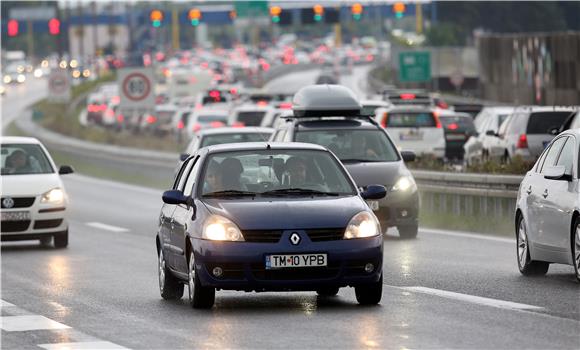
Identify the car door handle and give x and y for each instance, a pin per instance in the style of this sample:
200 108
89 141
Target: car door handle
529 190
545 194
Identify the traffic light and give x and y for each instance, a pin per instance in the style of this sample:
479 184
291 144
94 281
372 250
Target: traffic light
275 12
194 16
399 9
156 17
356 10
12 27
318 12
54 26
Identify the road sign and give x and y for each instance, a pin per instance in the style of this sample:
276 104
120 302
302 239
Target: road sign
59 86
251 9
414 66
136 86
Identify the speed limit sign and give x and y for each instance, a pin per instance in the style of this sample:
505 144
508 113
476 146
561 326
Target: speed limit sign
136 88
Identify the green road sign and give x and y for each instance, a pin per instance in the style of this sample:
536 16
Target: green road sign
414 66
247 9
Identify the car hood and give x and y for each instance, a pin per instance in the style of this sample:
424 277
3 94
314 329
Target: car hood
288 213
29 185
385 174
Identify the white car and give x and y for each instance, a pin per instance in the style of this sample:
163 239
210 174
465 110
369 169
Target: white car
415 128
208 117
487 145
547 219
252 115
34 201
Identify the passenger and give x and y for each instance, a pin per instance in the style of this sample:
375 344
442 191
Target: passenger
231 170
362 148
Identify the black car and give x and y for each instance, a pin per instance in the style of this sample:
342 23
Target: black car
458 128
329 115
268 217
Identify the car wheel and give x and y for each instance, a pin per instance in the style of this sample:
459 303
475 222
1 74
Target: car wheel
527 266
408 232
328 291
200 297
169 286
576 248
61 239
369 294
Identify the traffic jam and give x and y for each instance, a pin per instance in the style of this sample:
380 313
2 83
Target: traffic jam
292 179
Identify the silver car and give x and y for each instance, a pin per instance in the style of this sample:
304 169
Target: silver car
547 214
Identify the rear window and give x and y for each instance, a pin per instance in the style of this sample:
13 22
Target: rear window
543 122
251 118
212 118
459 123
410 120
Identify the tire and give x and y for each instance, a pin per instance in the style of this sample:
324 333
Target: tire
200 297
576 247
328 291
61 239
369 294
170 287
526 265
408 231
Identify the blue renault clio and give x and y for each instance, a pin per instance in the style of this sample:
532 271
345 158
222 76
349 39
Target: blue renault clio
268 217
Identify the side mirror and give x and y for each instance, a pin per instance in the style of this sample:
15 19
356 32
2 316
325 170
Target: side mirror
374 192
183 156
65 169
408 156
176 197
557 172
490 133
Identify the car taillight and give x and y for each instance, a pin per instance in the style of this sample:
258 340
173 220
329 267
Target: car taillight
151 119
407 96
285 105
522 141
442 104
216 124
196 127
120 118
452 126
384 121
262 103
92 108
180 124
238 125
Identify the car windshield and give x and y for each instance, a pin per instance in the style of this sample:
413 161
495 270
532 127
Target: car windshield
23 159
353 144
212 118
253 118
210 140
457 123
410 120
274 173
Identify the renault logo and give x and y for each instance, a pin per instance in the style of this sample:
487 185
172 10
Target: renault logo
7 202
295 238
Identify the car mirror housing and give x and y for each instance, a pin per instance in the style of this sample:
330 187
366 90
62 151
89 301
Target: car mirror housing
408 156
557 173
374 192
65 169
175 197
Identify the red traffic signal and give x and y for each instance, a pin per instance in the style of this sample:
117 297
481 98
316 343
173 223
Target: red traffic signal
54 26
12 27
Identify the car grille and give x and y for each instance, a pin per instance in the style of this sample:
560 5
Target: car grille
23 202
42 224
300 273
273 236
15 226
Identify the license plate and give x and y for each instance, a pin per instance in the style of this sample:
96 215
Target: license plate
455 137
411 136
295 260
15 216
374 205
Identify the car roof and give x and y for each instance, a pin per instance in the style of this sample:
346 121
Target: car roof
209 110
232 130
19 139
534 109
319 99
572 132
330 123
251 146
252 107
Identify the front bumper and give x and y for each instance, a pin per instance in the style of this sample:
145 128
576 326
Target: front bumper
45 220
243 264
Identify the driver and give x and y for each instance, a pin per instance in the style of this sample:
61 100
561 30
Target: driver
297 169
18 163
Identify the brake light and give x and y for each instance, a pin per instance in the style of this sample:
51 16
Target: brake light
120 118
407 96
92 108
285 105
238 125
442 104
196 127
384 121
216 124
180 124
437 121
262 103
151 119
233 91
522 141
452 126
370 58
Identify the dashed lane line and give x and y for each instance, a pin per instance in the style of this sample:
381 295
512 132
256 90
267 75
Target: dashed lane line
93 345
106 227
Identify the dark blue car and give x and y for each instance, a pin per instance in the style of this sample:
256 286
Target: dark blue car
268 217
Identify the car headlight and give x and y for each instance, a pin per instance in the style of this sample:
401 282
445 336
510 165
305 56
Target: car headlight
7 79
404 184
38 73
56 195
21 78
362 225
218 228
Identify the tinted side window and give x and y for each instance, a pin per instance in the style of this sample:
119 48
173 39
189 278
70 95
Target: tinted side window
543 122
191 177
553 153
567 156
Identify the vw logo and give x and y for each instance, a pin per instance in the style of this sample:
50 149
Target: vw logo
8 202
295 238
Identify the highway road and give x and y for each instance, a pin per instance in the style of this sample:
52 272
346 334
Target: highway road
442 290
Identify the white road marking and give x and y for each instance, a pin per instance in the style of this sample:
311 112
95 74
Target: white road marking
29 323
96 345
502 304
102 226
468 235
5 303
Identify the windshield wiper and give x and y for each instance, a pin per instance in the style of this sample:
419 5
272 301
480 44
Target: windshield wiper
230 193
360 160
299 191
